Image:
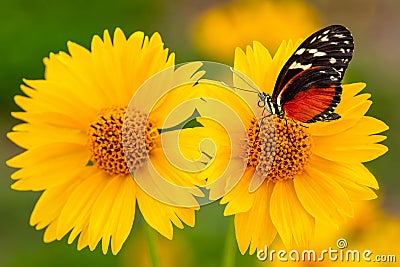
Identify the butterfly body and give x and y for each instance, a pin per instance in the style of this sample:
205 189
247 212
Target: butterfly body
308 88
265 101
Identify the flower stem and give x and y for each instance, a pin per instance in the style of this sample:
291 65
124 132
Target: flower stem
151 244
230 246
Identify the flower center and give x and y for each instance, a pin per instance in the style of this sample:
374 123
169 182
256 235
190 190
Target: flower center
117 149
279 150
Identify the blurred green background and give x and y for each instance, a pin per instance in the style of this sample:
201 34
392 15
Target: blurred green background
30 30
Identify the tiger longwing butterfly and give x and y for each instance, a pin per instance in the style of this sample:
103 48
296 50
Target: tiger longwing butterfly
308 88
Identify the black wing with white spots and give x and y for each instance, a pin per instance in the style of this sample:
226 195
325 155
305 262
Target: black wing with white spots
329 47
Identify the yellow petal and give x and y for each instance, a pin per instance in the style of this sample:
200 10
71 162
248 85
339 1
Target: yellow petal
263 232
159 215
241 63
113 214
350 90
50 119
173 174
344 172
77 209
369 125
262 59
53 96
163 184
358 192
354 178
348 119
105 66
83 240
288 215
40 170
50 232
347 140
322 197
74 80
355 144
239 199
125 214
29 135
49 206
351 155
346 105
255 227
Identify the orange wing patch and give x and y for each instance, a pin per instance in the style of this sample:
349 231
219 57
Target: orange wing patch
310 103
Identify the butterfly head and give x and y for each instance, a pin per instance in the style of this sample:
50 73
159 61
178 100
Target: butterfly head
262 98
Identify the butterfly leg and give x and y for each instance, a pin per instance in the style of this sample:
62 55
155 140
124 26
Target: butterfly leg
263 116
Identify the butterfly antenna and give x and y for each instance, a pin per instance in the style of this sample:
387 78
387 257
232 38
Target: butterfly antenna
245 81
237 88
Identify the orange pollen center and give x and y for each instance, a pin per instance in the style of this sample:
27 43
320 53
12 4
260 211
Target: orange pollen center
279 149
117 148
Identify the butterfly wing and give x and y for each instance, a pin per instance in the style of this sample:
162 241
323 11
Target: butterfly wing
330 48
313 95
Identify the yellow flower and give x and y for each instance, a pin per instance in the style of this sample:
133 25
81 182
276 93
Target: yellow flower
317 172
220 30
73 131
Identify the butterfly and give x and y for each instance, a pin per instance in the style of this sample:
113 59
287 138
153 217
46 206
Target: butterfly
309 85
